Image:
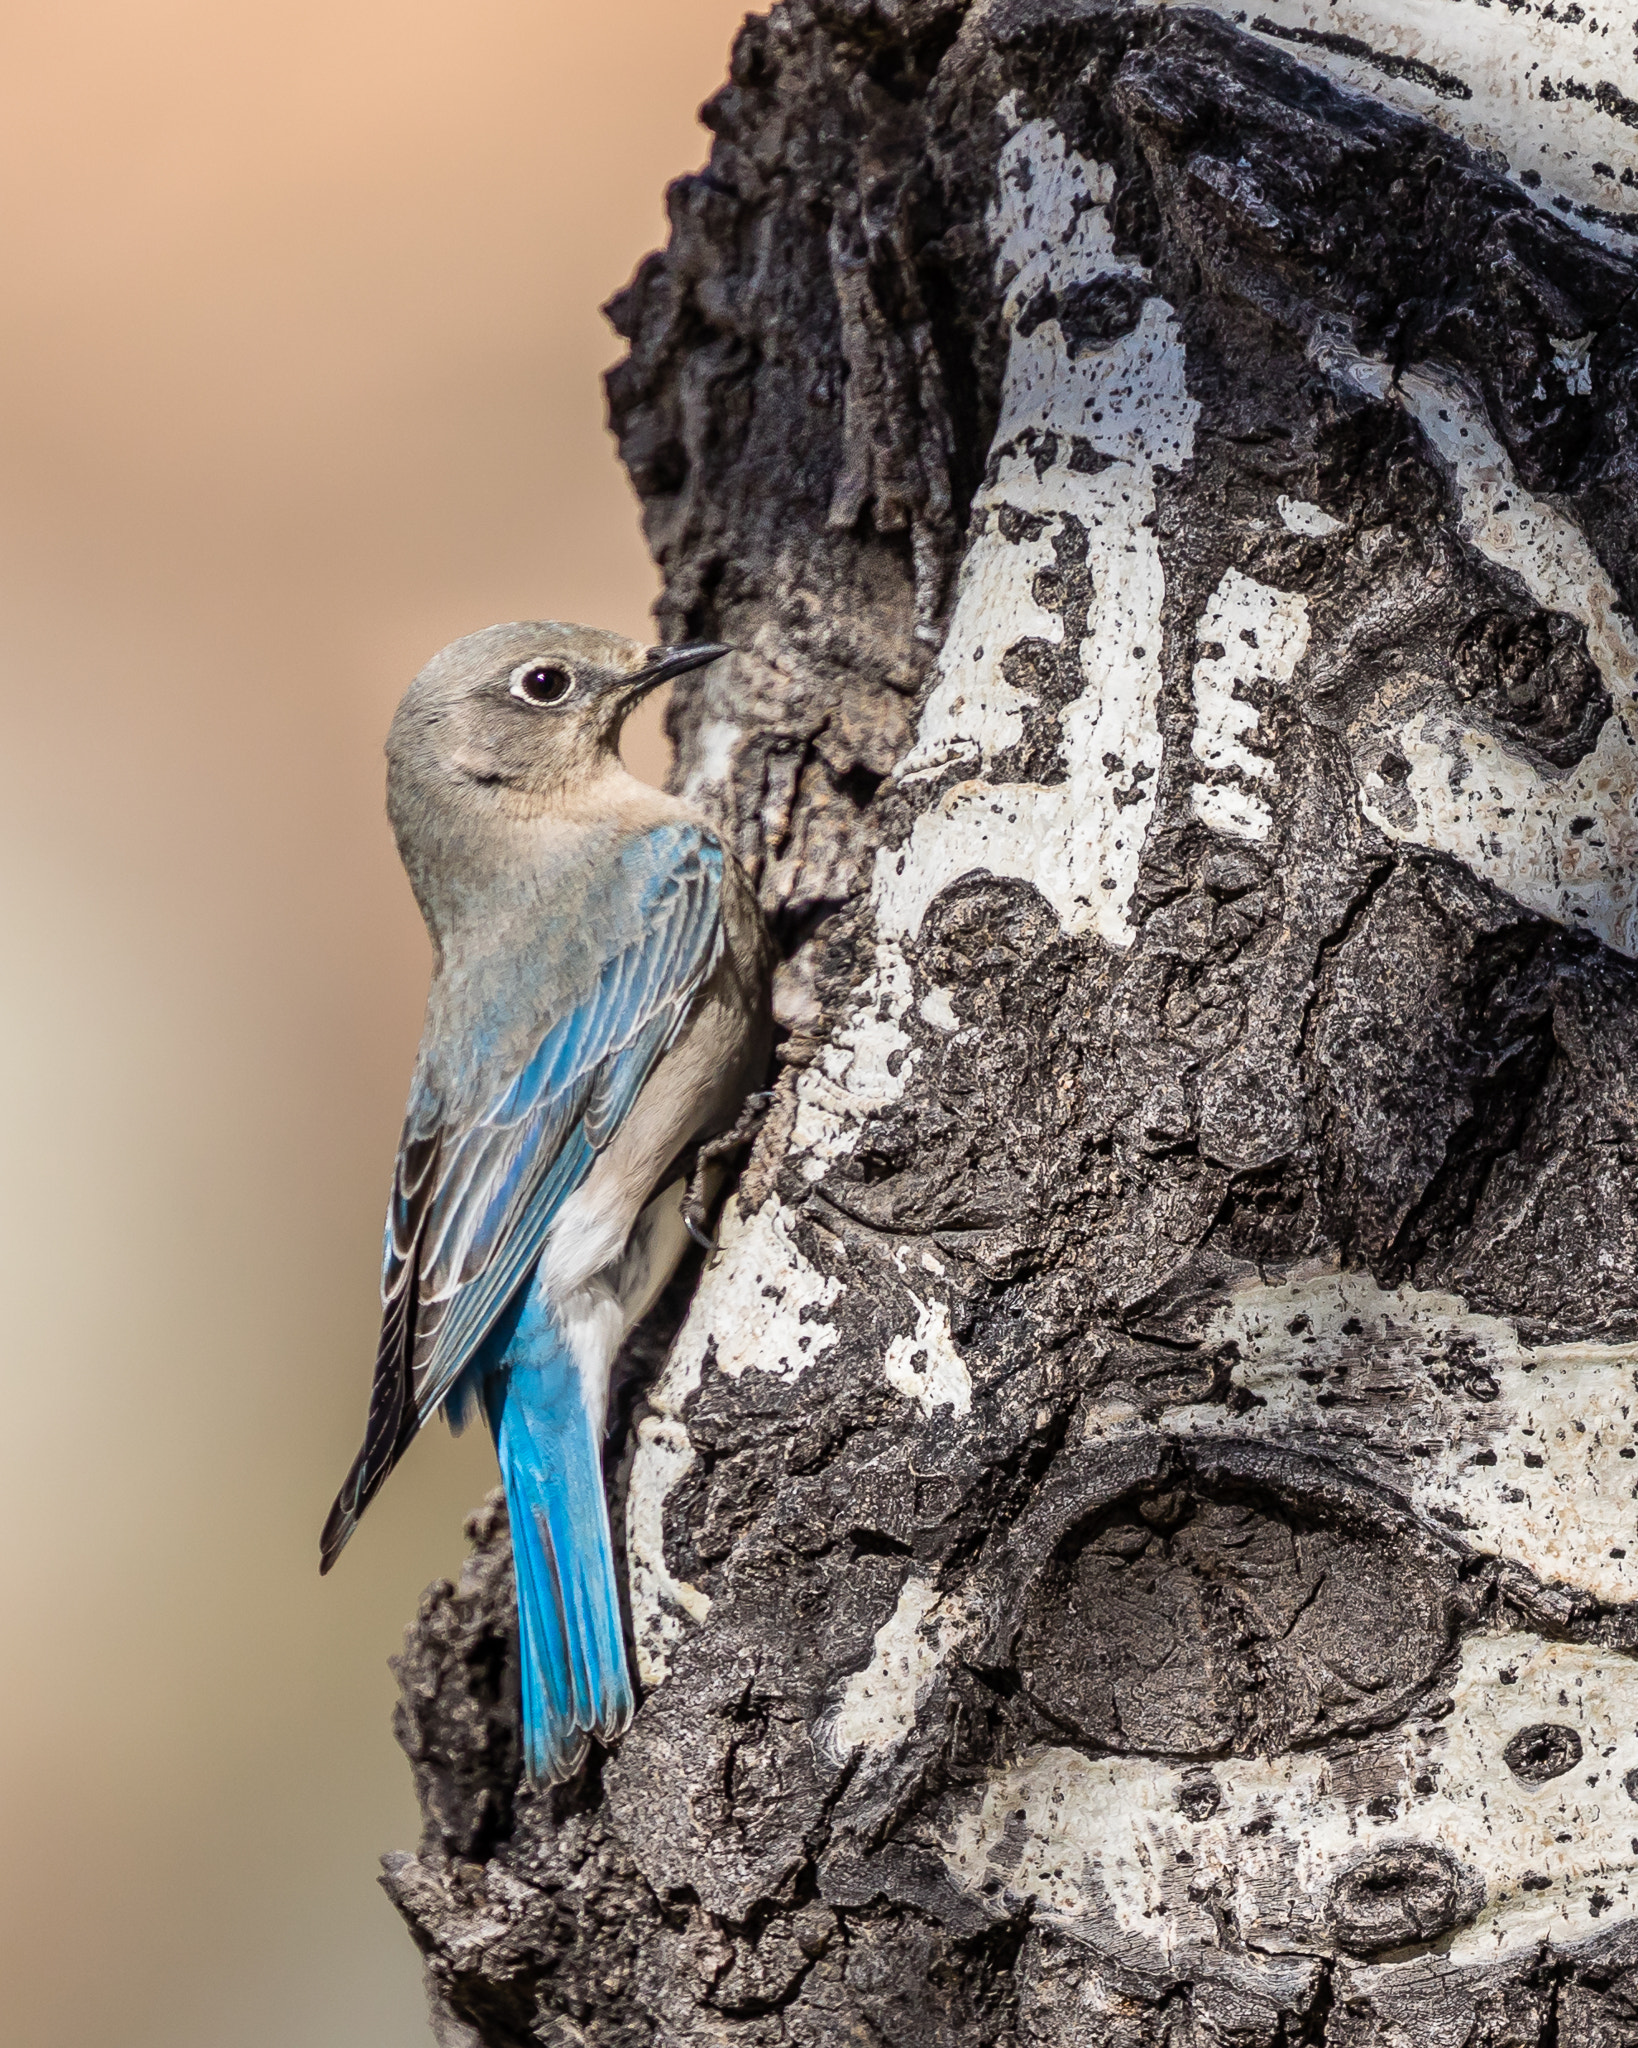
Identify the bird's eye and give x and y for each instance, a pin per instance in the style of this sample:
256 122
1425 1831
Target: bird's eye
541 682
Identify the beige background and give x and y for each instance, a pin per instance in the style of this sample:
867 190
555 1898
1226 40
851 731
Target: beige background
299 358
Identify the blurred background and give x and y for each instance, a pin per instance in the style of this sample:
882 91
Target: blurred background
299 378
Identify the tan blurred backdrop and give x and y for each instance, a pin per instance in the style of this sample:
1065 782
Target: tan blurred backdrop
299 361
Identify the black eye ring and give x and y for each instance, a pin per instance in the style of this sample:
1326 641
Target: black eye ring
542 683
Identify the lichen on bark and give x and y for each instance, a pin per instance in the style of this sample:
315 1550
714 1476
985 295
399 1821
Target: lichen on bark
1129 1537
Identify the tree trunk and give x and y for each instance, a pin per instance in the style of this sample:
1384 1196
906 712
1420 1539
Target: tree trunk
1134 1540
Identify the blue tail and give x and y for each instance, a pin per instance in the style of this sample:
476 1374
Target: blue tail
570 1644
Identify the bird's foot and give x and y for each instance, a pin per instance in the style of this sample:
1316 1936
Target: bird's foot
696 1203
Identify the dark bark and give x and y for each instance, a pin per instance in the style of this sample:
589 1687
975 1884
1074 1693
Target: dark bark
1174 1306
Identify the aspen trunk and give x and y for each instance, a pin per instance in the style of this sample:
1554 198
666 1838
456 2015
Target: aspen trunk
1132 1539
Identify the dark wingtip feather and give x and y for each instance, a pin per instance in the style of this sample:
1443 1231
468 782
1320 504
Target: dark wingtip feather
340 1523
387 1432
383 1447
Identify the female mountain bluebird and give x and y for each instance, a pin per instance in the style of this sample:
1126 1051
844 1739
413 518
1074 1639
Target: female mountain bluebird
599 1007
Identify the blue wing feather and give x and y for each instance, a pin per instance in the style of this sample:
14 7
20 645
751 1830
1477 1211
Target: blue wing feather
472 1203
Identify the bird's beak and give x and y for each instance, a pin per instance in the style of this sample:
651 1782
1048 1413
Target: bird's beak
672 661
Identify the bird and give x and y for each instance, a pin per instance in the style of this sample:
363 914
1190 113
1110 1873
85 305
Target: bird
598 1018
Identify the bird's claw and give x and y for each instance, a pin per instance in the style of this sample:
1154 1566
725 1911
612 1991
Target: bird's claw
746 1126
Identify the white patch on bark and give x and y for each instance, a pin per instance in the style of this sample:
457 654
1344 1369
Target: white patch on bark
1078 840
1223 808
972 712
1261 634
759 1295
927 1368
755 1307
936 1009
713 767
1106 1846
1072 839
1127 397
1537 87
1532 1451
1050 229
878 1705
658 1600
863 1069
1565 845
1311 521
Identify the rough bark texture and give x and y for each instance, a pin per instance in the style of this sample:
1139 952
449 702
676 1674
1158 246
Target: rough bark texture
1130 1544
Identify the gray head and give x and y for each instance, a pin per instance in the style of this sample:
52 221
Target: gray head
508 724
532 709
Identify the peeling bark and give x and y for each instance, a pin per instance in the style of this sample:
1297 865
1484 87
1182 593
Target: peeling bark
1132 1539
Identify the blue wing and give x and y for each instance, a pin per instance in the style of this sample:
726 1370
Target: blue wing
472 1203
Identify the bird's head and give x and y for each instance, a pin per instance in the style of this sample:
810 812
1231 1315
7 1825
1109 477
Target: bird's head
504 731
527 711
